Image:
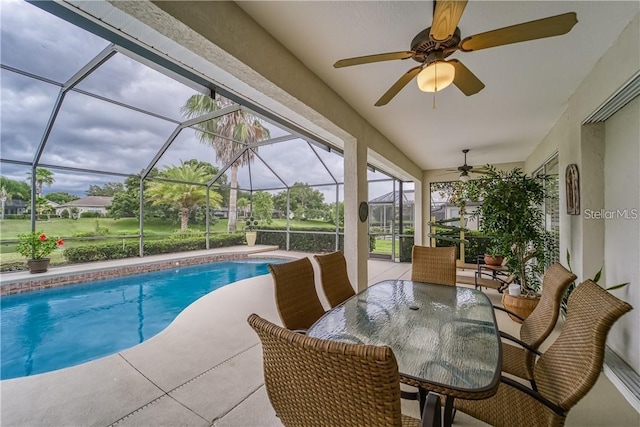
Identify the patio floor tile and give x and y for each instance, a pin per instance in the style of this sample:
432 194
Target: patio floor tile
94 393
216 392
255 411
164 411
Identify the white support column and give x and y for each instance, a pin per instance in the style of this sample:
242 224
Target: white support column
356 233
418 211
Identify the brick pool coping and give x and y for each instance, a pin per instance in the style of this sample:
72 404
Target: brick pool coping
34 283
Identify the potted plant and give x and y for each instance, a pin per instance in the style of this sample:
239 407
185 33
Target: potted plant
493 257
511 215
251 234
36 246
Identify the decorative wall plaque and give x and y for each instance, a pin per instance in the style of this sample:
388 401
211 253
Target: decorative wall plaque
572 180
363 211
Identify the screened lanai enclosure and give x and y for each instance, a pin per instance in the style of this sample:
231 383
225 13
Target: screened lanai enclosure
123 153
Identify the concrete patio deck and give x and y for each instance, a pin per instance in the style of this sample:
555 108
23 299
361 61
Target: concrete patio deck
205 369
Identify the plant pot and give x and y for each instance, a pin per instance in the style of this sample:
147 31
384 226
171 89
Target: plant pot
251 237
493 260
522 305
38 265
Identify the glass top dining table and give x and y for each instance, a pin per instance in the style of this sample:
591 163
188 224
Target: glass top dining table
441 335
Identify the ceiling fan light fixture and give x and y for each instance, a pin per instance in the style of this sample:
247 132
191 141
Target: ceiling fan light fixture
464 177
436 76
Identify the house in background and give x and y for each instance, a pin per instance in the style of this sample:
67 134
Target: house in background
97 204
15 207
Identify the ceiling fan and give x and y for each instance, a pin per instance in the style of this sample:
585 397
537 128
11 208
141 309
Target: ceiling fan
432 45
465 168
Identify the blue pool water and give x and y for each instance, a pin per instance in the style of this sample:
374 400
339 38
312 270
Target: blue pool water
46 330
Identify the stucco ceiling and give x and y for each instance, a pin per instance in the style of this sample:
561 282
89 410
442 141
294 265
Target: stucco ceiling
528 85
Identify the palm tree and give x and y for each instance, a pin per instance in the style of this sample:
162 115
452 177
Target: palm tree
9 189
243 204
185 197
239 126
4 196
43 176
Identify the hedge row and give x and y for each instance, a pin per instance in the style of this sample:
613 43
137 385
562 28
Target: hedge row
406 248
17 216
477 246
305 242
129 249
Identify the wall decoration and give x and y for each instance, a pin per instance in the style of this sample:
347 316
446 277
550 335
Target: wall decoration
572 180
363 211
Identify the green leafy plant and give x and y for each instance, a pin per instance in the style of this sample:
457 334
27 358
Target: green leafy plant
251 225
572 285
511 215
37 245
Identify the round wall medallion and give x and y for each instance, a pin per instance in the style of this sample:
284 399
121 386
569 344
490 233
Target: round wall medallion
363 211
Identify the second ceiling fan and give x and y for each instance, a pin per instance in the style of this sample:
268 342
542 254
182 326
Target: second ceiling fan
465 168
432 45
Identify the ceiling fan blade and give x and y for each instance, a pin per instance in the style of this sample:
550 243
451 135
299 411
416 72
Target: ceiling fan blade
446 16
374 58
465 80
397 86
481 171
541 28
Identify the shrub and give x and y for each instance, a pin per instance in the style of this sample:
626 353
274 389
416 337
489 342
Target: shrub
476 246
90 215
17 216
128 249
189 233
406 248
65 213
305 242
37 245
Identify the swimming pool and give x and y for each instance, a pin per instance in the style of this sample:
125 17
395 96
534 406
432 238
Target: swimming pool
55 328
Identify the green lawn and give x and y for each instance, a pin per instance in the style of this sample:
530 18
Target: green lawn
10 228
384 247
67 228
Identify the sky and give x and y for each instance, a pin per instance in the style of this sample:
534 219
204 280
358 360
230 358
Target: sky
91 133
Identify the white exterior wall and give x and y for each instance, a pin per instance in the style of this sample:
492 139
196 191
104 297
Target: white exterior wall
607 159
622 224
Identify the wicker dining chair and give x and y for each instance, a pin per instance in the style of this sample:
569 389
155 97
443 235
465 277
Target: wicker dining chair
519 360
564 373
320 383
335 281
434 265
296 298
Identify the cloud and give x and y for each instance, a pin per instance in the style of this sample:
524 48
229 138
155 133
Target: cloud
92 134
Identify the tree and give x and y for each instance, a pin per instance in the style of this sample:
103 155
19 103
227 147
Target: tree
184 197
262 206
240 126
43 207
304 201
332 213
43 176
10 189
15 189
127 203
3 198
243 205
109 189
61 197
74 213
511 215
